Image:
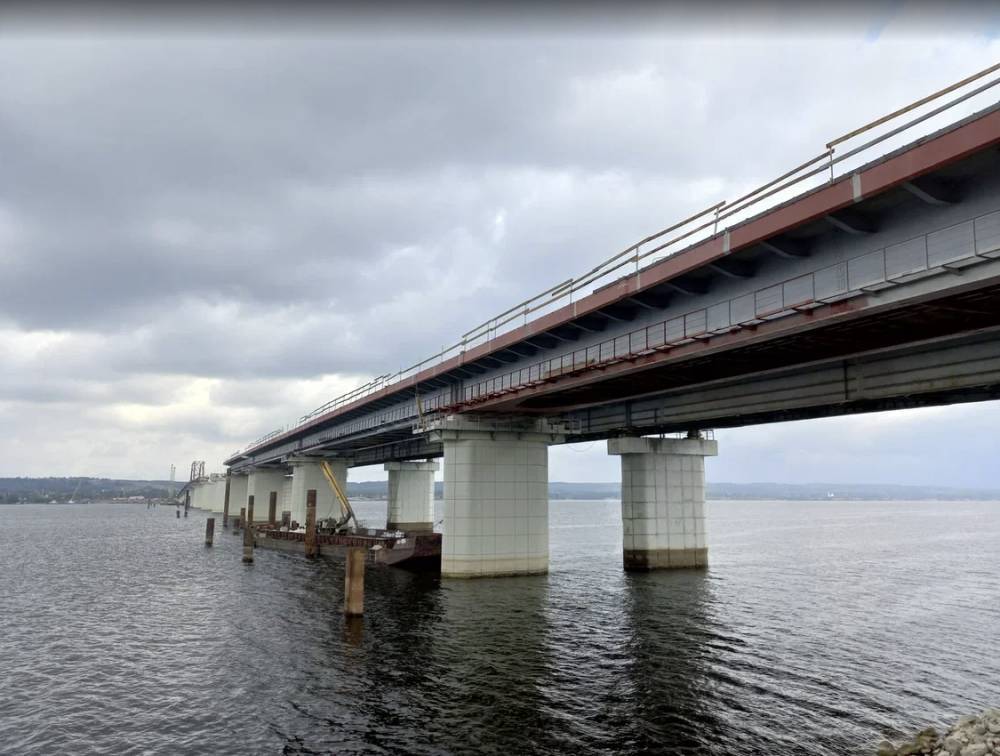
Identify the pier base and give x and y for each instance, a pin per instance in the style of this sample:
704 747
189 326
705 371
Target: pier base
663 501
411 496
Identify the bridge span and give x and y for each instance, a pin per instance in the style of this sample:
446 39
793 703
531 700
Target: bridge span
858 281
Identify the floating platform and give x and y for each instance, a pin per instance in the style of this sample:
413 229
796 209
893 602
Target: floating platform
415 551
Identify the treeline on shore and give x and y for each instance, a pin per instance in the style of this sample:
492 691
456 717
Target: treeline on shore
22 490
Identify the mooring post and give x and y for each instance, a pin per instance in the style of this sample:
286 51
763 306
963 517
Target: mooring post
187 501
225 500
178 512
311 523
248 533
243 518
272 509
209 531
354 582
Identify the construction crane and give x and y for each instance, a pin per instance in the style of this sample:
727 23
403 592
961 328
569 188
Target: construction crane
346 511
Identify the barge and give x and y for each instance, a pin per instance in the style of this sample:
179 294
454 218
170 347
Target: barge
417 551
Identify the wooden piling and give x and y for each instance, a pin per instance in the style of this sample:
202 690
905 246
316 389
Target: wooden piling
178 512
187 501
311 550
354 581
248 533
243 519
209 531
225 501
272 509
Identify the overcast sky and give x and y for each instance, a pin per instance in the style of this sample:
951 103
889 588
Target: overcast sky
206 231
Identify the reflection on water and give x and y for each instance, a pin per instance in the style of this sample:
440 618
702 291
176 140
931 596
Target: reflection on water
818 628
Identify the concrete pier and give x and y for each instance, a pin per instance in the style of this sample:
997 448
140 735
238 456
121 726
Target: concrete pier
663 501
285 499
306 476
496 500
262 481
217 495
411 496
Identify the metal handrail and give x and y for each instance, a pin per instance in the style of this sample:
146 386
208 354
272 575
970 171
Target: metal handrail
784 297
634 254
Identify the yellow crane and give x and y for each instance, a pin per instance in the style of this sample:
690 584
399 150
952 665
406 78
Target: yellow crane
346 511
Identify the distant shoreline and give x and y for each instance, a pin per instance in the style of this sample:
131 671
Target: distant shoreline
80 490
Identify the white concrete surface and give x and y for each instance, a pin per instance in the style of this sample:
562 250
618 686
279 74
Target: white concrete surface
262 482
496 503
238 486
663 501
411 495
306 474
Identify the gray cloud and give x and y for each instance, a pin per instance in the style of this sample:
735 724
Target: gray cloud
200 237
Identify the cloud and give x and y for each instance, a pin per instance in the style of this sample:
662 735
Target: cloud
203 236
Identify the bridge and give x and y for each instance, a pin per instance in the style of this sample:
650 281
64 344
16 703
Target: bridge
866 278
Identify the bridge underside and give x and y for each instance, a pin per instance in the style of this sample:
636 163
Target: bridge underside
924 353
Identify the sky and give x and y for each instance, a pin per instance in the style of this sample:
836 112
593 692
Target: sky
210 224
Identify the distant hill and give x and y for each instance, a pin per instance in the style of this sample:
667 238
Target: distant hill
20 490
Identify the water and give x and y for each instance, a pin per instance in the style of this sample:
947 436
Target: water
818 629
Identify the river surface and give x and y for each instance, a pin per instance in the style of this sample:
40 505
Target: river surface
818 629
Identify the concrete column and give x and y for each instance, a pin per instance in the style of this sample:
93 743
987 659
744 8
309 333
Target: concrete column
496 499
218 495
307 475
411 496
262 481
238 485
194 494
214 491
285 497
663 501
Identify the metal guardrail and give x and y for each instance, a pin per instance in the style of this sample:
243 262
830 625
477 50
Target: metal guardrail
697 227
956 246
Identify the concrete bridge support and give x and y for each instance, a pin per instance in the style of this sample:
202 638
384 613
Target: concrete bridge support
306 476
262 481
411 495
663 501
285 497
238 485
216 495
496 501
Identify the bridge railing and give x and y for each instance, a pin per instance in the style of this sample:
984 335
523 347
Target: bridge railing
826 167
957 246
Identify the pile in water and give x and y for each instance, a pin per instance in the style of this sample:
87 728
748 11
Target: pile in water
972 736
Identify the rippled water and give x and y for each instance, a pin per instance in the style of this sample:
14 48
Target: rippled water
819 628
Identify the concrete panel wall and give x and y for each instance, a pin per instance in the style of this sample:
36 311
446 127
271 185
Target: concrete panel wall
663 501
496 505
